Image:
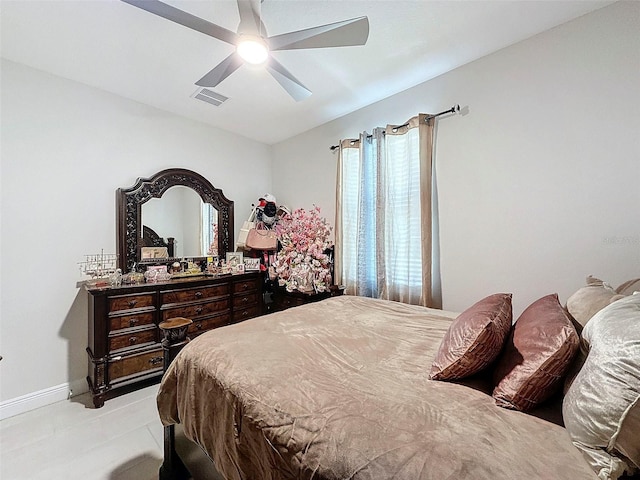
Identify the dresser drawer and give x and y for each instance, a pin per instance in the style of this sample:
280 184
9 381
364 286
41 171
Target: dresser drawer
246 300
201 326
193 294
132 339
135 364
196 310
285 302
247 313
246 286
128 302
124 340
128 321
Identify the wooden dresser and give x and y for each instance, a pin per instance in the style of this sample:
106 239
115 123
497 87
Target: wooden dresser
124 339
282 300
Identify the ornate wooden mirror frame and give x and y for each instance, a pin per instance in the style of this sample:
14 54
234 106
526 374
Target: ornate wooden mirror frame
129 210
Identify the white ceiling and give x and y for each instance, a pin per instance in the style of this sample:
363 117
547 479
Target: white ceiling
122 49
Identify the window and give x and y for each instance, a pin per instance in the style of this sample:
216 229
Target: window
383 229
208 229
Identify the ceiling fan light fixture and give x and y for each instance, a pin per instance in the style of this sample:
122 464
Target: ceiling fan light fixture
253 50
253 44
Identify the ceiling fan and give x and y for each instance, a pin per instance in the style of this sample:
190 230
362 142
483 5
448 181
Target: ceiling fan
253 44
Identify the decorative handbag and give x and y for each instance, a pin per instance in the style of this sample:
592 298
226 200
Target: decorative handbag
248 224
261 238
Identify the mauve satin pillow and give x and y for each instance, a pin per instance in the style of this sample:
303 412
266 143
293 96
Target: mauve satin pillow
474 339
536 356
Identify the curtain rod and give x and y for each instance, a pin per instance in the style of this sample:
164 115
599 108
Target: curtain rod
454 109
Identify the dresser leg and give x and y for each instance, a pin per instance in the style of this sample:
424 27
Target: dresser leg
97 396
98 401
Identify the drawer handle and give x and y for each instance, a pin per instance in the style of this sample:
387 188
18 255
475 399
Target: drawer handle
133 322
133 340
198 310
199 326
244 299
156 360
245 313
198 294
245 286
132 303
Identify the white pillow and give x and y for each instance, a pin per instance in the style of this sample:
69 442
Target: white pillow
629 287
601 409
590 299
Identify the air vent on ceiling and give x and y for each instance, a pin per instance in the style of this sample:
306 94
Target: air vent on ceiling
209 96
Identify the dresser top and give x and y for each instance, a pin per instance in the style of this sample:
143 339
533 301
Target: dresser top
196 280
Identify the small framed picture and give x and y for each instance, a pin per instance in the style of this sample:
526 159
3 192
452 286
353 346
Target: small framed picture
239 268
251 264
234 259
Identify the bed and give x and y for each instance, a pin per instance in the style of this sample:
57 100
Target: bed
340 389
151 240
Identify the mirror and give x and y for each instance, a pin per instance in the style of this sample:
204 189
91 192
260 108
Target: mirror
182 215
177 209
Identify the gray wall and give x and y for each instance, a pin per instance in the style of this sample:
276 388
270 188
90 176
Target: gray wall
64 154
538 183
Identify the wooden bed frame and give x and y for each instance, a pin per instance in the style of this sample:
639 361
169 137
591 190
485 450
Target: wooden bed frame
183 459
151 239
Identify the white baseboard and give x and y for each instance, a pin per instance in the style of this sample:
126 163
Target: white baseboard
41 398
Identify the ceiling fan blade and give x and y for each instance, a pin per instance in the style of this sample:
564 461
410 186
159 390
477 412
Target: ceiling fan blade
250 22
340 34
291 84
221 71
186 19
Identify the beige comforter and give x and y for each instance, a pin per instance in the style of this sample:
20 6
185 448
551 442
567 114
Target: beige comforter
340 390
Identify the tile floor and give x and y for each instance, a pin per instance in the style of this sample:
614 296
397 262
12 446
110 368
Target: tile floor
71 440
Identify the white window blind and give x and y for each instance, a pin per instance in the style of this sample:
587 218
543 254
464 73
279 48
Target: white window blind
402 204
207 218
350 212
381 212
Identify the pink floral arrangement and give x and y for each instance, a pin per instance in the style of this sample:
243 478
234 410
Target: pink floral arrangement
301 263
213 248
